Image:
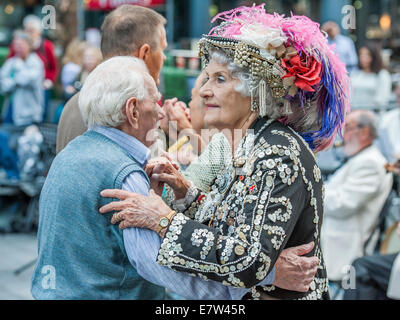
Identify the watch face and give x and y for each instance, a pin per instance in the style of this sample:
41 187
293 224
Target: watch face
164 222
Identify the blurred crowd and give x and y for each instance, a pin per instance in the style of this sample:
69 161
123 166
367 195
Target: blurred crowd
32 70
362 199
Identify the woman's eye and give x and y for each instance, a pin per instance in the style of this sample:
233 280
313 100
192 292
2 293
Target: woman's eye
221 79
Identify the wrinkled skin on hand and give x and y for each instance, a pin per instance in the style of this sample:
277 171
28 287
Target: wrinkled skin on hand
294 272
176 111
135 209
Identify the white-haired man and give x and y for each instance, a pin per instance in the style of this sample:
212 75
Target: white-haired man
354 197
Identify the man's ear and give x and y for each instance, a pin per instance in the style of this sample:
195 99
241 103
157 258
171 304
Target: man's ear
132 112
144 52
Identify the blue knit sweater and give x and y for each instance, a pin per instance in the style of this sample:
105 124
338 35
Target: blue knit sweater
81 255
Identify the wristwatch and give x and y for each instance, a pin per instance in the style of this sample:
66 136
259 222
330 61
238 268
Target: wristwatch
165 221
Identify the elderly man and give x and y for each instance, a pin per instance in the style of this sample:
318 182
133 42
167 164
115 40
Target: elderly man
86 254
83 256
354 196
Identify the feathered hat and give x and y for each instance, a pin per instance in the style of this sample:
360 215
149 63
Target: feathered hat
292 57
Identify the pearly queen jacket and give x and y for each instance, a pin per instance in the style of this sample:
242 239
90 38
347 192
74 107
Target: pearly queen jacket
268 198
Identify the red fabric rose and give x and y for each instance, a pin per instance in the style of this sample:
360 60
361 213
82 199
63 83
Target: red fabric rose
306 71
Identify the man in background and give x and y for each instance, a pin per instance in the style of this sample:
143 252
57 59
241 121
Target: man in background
344 45
127 31
354 196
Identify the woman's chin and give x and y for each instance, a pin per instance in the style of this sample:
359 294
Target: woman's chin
211 117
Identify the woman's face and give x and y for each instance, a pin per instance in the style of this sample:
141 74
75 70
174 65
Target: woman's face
225 108
365 58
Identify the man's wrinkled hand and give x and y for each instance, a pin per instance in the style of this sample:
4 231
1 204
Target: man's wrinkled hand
293 271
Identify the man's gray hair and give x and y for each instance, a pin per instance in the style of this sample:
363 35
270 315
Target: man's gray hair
109 86
33 20
366 118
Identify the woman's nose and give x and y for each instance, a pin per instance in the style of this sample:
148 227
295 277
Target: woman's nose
205 91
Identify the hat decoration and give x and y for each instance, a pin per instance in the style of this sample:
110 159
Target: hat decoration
293 58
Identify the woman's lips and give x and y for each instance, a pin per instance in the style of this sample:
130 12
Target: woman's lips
211 106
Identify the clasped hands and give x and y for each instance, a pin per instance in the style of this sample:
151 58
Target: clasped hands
135 210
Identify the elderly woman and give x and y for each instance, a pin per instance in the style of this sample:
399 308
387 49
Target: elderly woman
261 68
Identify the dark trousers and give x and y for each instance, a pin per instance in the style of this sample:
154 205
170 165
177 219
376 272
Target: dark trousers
372 277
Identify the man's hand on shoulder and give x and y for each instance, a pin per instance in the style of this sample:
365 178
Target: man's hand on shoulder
294 272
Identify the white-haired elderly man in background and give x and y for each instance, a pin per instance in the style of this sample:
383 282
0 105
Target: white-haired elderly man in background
354 196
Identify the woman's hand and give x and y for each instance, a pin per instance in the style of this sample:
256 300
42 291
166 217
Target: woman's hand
176 111
161 170
135 210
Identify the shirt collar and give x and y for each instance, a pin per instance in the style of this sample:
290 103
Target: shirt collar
132 145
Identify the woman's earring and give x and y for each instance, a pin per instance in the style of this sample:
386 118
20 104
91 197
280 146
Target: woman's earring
263 98
254 104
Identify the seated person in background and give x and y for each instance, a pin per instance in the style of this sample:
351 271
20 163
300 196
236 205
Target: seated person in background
354 195
21 77
377 277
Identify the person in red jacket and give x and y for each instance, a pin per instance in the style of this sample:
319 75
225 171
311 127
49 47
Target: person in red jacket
44 48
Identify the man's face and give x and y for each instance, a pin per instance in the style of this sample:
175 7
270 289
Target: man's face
332 29
157 56
149 115
351 135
